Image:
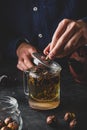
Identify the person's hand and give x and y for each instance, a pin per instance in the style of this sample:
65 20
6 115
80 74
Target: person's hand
24 53
68 36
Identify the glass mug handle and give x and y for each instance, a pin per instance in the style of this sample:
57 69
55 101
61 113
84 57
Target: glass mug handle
25 82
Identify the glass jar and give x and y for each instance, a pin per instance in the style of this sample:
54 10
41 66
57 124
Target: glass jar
10 118
42 85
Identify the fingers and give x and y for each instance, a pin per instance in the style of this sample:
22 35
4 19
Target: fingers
51 49
24 64
73 42
24 53
21 66
59 31
71 46
67 41
46 50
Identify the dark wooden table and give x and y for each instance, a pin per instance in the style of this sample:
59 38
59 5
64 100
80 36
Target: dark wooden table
73 99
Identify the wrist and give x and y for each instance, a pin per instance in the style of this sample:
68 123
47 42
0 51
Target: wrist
21 41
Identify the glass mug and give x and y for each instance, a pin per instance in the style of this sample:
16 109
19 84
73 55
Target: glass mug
42 85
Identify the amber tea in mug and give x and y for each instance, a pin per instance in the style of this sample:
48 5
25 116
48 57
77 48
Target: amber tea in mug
42 85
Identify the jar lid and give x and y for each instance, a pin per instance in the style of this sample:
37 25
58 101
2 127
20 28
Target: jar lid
41 58
7 102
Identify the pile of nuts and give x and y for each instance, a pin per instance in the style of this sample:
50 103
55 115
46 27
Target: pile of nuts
8 124
69 120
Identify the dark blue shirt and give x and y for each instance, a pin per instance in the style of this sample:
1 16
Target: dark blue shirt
35 20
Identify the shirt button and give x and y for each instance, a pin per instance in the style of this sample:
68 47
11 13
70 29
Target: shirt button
35 8
40 35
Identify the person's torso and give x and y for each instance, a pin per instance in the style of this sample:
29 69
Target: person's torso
37 20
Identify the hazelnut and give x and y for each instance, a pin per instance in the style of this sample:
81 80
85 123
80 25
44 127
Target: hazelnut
13 125
73 123
5 128
2 124
69 116
8 120
51 120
